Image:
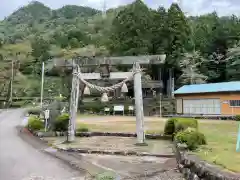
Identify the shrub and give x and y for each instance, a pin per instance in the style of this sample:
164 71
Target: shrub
106 176
55 109
183 123
169 128
174 125
35 123
191 137
82 128
18 104
61 123
237 117
95 107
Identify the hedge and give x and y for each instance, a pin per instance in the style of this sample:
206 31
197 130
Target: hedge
61 123
191 137
174 125
35 123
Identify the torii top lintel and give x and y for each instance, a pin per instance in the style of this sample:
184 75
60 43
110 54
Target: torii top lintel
123 60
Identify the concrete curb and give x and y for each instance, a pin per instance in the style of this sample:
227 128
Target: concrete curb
119 153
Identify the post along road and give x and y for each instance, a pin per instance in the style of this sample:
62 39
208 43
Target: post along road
21 161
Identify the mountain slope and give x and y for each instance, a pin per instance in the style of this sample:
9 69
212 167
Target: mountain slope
35 11
73 11
38 19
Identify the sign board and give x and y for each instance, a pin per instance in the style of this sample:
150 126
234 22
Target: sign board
46 114
88 76
120 75
225 102
106 109
130 108
118 108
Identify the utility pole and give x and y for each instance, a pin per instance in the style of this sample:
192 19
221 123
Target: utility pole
160 94
104 9
41 98
11 88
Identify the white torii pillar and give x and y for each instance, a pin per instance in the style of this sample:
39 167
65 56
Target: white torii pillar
73 103
138 103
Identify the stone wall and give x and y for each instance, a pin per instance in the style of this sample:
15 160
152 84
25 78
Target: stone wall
91 134
195 169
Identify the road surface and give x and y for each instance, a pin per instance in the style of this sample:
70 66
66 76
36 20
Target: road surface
20 161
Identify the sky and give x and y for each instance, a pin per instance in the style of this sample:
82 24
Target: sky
192 7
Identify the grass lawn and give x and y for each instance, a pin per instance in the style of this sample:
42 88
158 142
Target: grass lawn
221 136
221 148
120 124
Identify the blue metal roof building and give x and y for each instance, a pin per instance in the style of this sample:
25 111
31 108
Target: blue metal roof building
233 86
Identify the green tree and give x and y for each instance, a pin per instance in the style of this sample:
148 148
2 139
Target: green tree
157 38
131 30
233 63
190 69
74 43
40 52
177 34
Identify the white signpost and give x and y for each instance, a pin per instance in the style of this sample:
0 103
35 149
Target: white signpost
119 108
46 115
131 109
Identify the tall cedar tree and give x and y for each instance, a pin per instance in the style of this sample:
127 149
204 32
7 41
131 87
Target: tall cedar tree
177 34
157 39
131 30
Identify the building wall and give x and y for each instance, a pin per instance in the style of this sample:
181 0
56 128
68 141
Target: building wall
226 109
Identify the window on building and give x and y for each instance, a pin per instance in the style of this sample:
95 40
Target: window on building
235 103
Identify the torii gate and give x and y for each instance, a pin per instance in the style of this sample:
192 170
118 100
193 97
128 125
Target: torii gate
135 75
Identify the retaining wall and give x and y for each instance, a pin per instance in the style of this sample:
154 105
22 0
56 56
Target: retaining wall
195 169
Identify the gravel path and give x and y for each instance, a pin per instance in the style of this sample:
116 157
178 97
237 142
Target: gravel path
20 161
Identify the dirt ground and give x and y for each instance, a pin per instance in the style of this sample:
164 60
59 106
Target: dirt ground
102 119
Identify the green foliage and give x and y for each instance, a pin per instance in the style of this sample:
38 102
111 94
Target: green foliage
82 128
158 30
27 14
95 107
183 123
55 109
40 48
19 104
191 137
169 128
130 30
237 117
35 123
106 176
72 11
177 34
61 123
174 125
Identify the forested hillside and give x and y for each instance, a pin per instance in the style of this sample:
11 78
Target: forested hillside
200 49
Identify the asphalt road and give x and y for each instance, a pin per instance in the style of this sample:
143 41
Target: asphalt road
20 161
